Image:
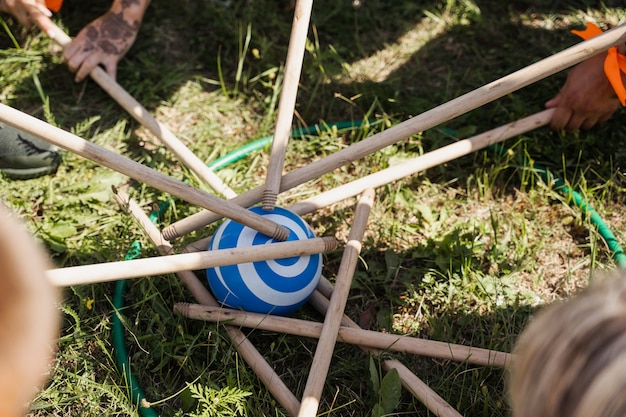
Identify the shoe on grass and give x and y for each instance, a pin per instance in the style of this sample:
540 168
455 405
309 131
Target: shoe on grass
23 156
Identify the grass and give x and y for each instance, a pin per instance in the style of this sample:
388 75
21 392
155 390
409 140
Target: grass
462 253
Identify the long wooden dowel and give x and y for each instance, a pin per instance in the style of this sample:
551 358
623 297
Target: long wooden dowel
143 116
428 160
419 123
112 271
421 390
242 344
199 245
287 102
126 166
332 321
378 340
409 380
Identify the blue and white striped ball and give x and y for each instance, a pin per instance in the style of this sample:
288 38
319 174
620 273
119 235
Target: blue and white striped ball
278 286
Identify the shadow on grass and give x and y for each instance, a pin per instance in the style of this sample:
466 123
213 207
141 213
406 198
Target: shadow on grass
187 41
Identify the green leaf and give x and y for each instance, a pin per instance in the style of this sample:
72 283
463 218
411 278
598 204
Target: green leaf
426 212
374 378
224 402
62 231
97 187
377 411
390 391
392 262
189 402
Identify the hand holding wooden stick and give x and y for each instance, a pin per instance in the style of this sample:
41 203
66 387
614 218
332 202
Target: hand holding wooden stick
424 121
143 116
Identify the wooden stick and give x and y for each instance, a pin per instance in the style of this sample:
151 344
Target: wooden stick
243 345
419 123
199 245
423 162
143 116
410 381
332 321
287 103
112 271
421 390
394 173
139 172
378 340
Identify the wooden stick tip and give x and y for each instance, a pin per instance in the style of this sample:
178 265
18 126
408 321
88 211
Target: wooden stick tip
170 233
182 309
281 233
330 243
269 200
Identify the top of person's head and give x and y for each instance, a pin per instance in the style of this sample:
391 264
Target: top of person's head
29 316
570 361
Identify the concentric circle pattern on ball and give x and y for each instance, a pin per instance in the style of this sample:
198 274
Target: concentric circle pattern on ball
278 286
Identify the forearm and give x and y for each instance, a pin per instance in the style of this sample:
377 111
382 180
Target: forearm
131 10
27 12
7 7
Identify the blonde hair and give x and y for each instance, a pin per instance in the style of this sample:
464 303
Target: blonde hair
29 316
570 361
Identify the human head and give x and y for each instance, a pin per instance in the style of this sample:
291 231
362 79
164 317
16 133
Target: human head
29 318
570 361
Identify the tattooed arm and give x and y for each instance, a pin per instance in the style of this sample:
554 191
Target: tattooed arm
105 40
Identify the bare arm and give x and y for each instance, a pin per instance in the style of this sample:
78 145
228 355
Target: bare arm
586 98
29 13
107 39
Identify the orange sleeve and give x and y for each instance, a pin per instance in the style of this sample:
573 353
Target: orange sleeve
614 64
54 5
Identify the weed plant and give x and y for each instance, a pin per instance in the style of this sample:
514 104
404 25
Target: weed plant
463 253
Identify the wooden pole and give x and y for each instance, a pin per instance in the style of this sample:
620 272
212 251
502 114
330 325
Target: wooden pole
332 321
242 344
421 390
378 340
394 173
428 160
409 380
143 116
126 166
112 271
199 245
424 121
287 102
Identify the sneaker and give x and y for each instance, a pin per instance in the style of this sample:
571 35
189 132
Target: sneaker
23 156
